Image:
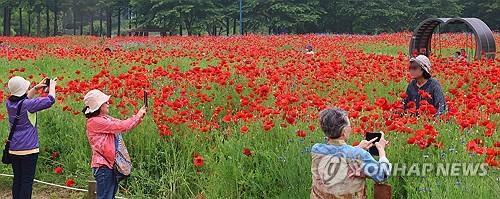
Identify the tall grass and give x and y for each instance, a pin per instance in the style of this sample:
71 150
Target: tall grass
278 168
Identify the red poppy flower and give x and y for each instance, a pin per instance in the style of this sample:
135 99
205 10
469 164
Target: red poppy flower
239 88
475 145
54 155
58 170
497 144
403 95
70 182
424 95
244 129
198 161
312 127
364 119
227 118
301 133
354 114
491 161
247 152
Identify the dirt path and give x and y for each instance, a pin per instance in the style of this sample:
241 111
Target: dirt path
40 191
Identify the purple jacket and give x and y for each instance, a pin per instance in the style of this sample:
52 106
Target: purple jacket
26 135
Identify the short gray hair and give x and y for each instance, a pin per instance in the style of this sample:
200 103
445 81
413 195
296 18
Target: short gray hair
333 121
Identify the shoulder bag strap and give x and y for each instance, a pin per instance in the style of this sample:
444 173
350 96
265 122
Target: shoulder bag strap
16 120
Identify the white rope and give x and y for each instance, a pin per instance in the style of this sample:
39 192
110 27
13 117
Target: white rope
56 185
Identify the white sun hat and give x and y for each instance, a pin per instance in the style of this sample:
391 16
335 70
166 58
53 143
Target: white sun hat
423 61
18 86
94 99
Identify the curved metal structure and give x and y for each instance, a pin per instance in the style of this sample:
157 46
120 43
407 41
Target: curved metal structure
485 42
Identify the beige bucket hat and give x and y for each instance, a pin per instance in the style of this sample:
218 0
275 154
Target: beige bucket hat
18 86
94 99
423 61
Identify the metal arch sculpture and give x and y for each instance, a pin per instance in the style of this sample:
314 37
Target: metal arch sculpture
485 42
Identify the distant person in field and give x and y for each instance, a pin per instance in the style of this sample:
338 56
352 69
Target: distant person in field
423 87
107 50
24 145
463 53
458 56
351 164
309 50
110 159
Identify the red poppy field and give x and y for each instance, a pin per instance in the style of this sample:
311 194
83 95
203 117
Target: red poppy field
235 117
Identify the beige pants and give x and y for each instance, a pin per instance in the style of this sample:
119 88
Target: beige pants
317 194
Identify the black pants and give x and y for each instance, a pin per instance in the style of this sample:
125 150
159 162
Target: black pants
24 167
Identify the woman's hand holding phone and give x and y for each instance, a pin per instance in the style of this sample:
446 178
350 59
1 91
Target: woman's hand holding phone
364 144
142 111
53 83
52 87
42 84
382 143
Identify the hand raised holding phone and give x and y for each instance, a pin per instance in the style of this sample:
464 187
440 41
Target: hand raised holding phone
42 84
377 142
49 84
366 144
382 143
142 112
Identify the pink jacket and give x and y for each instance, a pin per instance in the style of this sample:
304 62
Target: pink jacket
101 132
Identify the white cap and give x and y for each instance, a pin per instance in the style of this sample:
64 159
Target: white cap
18 86
94 99
423 61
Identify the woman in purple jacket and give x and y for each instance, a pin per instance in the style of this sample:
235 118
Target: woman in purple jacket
24 146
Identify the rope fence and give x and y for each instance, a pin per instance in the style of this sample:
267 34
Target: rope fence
91 186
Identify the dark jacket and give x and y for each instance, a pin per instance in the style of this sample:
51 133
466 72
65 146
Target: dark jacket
432 87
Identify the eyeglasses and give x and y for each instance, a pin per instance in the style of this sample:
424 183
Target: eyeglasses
345 126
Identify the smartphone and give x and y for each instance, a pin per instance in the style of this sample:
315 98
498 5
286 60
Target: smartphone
146 98
369 136
47 83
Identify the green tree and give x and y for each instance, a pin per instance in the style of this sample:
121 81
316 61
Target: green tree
216 17
7 5
487 10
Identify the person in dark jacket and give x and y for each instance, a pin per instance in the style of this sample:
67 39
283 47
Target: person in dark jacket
424 87
24 146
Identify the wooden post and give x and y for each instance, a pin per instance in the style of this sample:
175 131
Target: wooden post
92 190
382 191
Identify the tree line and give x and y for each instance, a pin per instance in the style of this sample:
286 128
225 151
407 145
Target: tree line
221 17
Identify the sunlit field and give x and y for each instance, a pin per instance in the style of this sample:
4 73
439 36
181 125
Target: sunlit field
235 117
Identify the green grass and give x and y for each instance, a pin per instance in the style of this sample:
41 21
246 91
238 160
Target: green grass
382 49
278 168
386 49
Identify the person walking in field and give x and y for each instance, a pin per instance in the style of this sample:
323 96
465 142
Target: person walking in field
423 89
309 50
339 170
23 144
110 161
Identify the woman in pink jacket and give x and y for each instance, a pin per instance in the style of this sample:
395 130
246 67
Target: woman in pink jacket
102 131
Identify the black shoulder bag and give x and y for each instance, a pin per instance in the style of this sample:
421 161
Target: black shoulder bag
7 158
